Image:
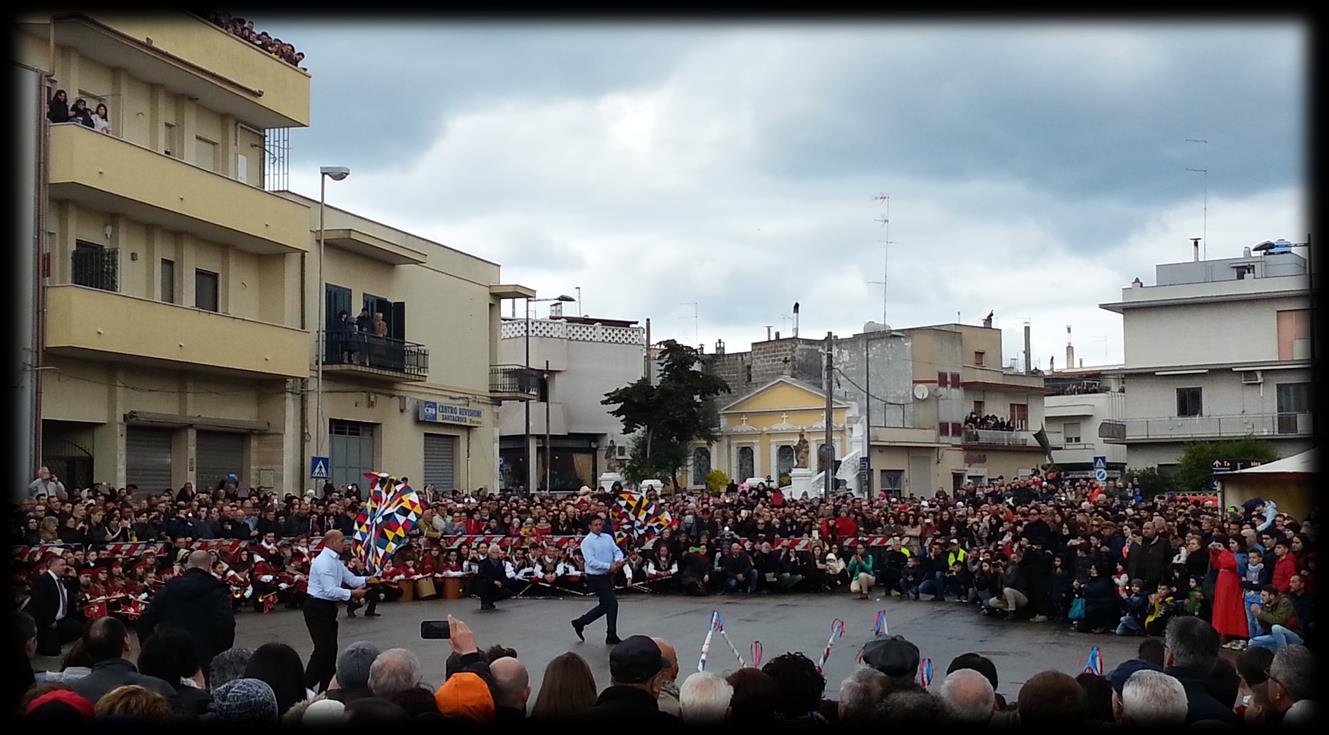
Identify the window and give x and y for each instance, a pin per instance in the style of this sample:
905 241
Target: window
978 407
943 380
945 428
168 139
1071 432
168 281
978 357
1294 403
1020 415
205 290
205 154
242 168
1294 334
338 299
1189 402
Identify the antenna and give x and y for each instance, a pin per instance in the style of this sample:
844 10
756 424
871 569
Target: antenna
886 243
1204 224
695 331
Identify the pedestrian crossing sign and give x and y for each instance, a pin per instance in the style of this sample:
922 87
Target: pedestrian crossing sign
318 468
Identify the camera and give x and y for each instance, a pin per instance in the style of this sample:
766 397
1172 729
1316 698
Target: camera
435 629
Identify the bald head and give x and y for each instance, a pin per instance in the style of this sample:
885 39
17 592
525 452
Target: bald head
335 540
199 560
667 650
967 696
512 685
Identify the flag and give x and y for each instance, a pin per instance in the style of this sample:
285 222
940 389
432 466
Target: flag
925 672
393 509
95 610
1094 664
638 517
133 609
269 601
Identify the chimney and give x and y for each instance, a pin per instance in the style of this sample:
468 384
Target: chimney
1070 349
719 347
1195 242
1081 362
1246 252
777 335
796 320
1052 364
1027 357
768 333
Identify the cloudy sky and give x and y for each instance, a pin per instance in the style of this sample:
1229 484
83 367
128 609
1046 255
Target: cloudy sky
1033 169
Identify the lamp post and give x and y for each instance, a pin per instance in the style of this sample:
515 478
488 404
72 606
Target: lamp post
530 469
336 173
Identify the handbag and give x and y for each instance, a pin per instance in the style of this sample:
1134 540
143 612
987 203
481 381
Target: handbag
1077 609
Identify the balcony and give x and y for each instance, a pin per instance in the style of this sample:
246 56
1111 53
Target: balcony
513 383
106 173
1195 428
96 268
1000 439
96 324
189 56
902 436
376 358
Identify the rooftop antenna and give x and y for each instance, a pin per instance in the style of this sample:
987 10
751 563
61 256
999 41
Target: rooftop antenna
886 243
696 332
1204 224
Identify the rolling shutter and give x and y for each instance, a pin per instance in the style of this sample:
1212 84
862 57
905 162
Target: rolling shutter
440 461
218 454
148 458
352 452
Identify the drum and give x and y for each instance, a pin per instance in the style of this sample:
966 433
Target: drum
452 588
424 589
407 590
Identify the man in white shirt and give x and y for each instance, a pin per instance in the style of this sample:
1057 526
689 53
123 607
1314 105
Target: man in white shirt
603 560
47 483
327 575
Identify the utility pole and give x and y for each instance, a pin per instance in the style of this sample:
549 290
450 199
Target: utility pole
548 451
829 472
867 404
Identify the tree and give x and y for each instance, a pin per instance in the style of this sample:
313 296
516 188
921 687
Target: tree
717 481
1195 469
678 410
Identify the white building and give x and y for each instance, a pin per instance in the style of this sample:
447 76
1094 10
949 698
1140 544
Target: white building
577 360
1081 400
1217 349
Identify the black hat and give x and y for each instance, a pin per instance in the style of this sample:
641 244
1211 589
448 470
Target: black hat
635 660
892 655
1118 676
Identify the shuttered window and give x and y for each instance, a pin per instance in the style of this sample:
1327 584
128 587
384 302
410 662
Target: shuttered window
148 458
440 454
217 455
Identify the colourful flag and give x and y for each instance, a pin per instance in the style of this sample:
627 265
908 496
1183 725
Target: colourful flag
638 517
393 509
1094 665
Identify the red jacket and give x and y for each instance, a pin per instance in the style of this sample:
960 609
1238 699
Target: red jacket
474 527
845 527
1283 572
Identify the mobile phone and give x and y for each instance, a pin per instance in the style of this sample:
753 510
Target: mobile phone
433 629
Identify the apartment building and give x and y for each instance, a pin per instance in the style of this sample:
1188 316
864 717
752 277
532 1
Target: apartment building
421 401
170 331
575 361
1216 349
1078 402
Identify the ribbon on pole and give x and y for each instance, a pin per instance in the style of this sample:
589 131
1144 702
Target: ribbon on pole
925 672
1094 664
837 632
756 654
706 644
725 636
879 627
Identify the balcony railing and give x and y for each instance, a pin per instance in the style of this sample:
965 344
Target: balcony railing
97 268
1165 428
1000 438
373 355
514 382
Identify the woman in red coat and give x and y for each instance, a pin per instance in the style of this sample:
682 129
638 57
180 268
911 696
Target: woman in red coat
1229 617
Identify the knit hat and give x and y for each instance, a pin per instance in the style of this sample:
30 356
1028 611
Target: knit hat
465 694
324 712
245 700
61 704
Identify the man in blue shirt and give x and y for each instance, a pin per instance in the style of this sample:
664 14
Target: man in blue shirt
603 560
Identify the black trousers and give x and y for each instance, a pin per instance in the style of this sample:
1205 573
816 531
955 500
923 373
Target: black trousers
51 637
490 593
603 586
321 620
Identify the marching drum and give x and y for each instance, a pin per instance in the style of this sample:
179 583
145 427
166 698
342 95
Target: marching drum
424 589
452 588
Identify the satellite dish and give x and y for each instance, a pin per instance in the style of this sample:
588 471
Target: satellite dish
920 391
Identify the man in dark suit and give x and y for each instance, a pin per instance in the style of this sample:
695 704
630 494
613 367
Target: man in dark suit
493 578
197 603
52 607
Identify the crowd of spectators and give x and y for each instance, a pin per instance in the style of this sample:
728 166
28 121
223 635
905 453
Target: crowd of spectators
58 110
244 29
1082 388
988 422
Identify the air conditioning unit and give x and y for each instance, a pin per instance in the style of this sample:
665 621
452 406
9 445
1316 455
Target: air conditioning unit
1252 377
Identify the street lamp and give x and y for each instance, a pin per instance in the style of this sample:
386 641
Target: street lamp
336 173
530 469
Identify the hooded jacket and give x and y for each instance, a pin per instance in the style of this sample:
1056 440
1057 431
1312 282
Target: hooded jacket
200 605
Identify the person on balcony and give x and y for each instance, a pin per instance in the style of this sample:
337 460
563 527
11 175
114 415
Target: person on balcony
364 326
340 336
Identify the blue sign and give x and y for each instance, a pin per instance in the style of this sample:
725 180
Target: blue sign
450 413
1100 463
318 468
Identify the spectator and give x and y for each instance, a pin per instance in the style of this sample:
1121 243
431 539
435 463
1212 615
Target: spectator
245 701
982 665
1191 649
279 666
100 121
909 707
52 608
417 701
704 699
22 645
636 671
511 690
1277 615
755 697
800 685
80 113
197 603
56 702
1151 650
1151 699
374 711
133 701
668 699
566 690
351 681
106 641
1292 685
394 670
895 657
860 693
1097 697
57 111
860 572
1051 698
168 654
228 666
967 697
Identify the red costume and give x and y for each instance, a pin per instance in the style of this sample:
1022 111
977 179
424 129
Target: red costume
1229 614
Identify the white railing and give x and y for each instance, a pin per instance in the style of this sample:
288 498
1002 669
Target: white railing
557 329
1003 438
1233 426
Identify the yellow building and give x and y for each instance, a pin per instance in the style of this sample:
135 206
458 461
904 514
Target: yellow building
760 433
417 403
175 345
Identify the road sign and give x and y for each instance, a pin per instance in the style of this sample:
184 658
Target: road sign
1101 476
318 468
1100 463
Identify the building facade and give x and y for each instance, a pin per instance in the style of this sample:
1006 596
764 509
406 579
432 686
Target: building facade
171 336
1217 349
1079 402
576 361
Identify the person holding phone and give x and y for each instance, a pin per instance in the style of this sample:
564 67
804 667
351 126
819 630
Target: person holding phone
327 575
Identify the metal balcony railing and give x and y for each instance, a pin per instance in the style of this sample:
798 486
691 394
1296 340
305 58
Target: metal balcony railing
383 355
97 268
516 381
1208 427
1002 438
